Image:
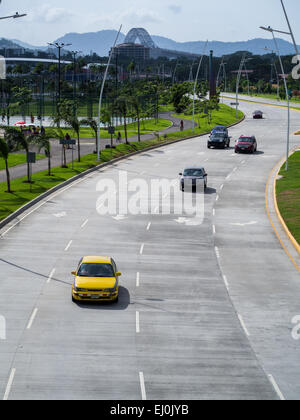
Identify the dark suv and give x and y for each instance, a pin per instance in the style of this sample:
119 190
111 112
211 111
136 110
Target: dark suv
218 140
220 129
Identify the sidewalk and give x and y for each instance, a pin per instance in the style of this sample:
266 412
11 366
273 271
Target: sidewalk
88 147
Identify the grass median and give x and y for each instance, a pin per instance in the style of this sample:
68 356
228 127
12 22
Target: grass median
21 195
146 126
16 159
224 116
288 195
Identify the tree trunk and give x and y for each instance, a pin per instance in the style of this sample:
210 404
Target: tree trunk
49 165
139 126
7 176
125 128
78 143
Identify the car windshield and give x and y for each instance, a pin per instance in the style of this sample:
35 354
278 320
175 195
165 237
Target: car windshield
246 140
193 172
218 136
96 270
222 129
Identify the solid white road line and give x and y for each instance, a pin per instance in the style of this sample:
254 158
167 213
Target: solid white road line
68 246
137 322
243 325
217 252
276 387
143 389
137 279
32 318
9 384
51 275
226 282
84 223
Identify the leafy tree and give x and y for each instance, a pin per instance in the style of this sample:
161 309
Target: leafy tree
22 96
4 153
121 106
93 125
43 142
66 113
135 103
18 140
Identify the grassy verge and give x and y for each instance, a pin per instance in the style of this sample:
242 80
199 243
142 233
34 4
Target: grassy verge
17 159
224 116
288 195
132 129
22 195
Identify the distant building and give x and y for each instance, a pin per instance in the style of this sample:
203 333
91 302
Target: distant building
136 52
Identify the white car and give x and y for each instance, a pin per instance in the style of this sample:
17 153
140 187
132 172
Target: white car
193 178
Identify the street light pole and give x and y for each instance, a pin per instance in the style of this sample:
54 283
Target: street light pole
74 53
101 93
15 16
269 29
59 46
238 84
290 28
195 84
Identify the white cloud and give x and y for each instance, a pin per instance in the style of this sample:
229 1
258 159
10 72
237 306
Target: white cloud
175 9
48 14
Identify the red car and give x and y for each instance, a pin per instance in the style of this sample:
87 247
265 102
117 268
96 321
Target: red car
246 145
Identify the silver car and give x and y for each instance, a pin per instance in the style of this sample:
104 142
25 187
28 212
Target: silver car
193 178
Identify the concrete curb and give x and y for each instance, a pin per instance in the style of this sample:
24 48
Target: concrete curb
43 196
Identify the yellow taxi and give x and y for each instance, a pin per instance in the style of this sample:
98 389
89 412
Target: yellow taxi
96 279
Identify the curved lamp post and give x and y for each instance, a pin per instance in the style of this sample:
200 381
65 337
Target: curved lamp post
195 85
101 93
271 30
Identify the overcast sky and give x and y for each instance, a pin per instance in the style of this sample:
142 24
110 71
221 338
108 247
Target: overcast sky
189 20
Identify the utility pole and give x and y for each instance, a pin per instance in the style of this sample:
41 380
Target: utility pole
290 28
59 46
75 79
269 29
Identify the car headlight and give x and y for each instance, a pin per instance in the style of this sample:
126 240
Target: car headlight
79 290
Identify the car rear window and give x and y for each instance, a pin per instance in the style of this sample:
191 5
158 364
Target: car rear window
246 140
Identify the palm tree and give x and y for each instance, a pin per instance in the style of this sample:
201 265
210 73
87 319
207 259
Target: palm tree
121 105
4 153
135 103
17 140
93 125
131 68
43 142
66 114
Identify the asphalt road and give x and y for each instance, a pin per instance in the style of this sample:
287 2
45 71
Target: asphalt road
205 310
